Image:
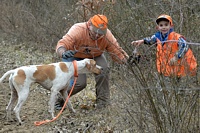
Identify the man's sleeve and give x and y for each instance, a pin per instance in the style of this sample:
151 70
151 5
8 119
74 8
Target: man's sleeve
68 39
114 50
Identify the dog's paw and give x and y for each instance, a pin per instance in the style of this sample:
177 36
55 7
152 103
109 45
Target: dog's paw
20 123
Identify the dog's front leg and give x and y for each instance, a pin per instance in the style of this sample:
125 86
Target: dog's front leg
52 101
65 95
69 105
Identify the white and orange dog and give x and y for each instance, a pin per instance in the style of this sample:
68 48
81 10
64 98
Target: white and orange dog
54 77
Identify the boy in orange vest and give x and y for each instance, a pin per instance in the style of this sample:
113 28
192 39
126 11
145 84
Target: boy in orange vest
174 57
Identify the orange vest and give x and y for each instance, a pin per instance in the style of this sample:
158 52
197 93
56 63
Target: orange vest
186 65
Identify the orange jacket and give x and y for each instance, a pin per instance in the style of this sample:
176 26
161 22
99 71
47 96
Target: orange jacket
78 39
186 65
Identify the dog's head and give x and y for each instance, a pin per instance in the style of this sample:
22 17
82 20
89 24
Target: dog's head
92 67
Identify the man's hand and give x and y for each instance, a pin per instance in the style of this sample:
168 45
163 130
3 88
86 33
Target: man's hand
68 54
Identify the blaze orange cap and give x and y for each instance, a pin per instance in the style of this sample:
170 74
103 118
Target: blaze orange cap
164 16
99 23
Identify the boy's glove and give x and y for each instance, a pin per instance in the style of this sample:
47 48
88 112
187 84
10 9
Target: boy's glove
150 40
68 54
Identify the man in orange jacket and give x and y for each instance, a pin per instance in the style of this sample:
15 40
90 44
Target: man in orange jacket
174 57
90 40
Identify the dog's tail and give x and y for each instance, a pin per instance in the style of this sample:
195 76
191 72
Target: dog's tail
6 74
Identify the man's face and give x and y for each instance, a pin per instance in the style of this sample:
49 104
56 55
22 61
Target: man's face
164 26
93 34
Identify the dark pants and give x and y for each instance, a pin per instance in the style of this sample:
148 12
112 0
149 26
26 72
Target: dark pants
102 81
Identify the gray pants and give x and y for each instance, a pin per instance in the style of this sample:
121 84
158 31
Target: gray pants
102 82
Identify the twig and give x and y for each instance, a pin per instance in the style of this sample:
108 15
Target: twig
58 129
88 127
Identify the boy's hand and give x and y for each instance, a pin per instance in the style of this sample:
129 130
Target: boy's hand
138 42
173 61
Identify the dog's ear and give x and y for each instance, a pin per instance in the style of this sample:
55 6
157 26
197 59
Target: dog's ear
90 64
93 62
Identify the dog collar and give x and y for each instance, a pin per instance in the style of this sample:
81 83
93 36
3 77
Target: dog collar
75 68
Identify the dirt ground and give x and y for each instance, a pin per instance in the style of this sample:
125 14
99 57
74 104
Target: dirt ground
86 119
35 109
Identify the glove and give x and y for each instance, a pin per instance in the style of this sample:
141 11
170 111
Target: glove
68 54
150 40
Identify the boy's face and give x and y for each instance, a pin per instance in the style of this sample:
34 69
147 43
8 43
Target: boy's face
164 26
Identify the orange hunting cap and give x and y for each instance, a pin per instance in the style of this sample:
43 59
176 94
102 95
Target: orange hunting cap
99 23
166 17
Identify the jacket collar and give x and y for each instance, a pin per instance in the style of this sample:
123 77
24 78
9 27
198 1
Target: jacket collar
163 37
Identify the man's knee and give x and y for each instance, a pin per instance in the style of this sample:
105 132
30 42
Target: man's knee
82 85
104 74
